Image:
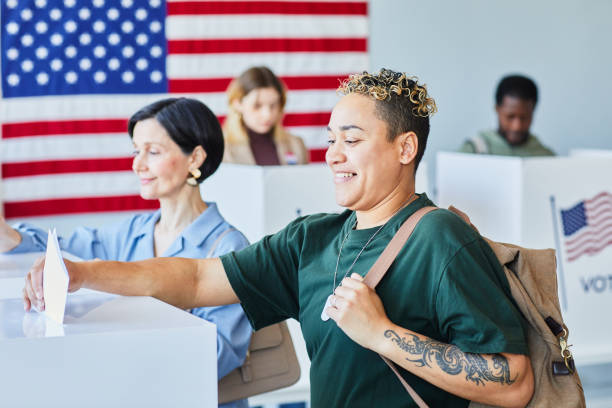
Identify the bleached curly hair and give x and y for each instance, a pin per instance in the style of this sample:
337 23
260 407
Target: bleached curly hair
401 102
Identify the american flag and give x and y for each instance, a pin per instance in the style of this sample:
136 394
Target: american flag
74 71
587 226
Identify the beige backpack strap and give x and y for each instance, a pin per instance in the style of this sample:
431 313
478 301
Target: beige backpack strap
384 261
380 267
415 396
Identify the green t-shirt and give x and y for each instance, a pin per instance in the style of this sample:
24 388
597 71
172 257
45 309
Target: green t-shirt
446 284
491 142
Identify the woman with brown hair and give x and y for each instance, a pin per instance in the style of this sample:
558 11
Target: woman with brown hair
253 131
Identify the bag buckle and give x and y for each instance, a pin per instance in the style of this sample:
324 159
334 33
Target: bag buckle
566 354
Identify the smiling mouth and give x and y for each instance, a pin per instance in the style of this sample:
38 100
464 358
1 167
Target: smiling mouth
342 177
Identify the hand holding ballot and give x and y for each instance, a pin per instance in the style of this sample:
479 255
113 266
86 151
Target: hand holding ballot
48 282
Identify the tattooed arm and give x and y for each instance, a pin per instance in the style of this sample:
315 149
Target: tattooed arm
497 379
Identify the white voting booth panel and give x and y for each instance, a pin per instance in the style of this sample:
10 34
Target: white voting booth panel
606 153
111 351
261 200
520 201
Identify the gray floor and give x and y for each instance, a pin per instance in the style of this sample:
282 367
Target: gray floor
597 383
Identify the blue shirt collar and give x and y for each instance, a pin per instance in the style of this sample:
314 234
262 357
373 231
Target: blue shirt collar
195 233
207 222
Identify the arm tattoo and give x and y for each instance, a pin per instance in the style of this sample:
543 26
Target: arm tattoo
452 360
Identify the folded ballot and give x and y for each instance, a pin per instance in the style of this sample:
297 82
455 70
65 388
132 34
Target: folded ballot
55 280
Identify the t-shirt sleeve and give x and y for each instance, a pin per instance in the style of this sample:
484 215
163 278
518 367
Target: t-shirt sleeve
265 276
474 307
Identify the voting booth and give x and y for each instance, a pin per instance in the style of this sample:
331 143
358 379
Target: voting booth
563 203
111 351
261 200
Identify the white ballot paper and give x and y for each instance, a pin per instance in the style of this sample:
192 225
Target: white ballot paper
55 280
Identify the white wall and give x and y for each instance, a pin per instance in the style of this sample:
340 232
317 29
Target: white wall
461 49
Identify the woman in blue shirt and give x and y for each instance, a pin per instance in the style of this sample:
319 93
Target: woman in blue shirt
178 143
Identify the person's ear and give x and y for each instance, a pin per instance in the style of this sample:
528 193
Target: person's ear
236 105
409 144
197 158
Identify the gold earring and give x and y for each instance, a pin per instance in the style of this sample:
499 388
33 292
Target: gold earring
195 175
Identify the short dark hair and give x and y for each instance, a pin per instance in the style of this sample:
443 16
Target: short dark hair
518 86
401 102
189 124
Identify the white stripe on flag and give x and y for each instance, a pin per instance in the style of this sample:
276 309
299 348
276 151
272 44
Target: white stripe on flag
283 64
64 147
34 148
265 26
70 185
313 136
74 107
302 101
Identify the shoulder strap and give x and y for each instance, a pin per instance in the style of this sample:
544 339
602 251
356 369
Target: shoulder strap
480 145
380 267
384 261
217 241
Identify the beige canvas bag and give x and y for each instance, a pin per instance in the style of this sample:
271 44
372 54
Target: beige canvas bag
270 363
532 275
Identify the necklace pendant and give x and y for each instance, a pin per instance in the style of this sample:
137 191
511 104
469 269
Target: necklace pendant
324 315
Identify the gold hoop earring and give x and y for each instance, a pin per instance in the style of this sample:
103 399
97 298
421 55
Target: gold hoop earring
195 175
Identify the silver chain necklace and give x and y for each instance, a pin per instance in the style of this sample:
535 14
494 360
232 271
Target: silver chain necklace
324 315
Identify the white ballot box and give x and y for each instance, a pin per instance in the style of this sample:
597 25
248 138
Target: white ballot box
111 351
261 200
563 203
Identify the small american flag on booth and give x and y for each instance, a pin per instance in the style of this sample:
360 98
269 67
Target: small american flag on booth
587 226
73 71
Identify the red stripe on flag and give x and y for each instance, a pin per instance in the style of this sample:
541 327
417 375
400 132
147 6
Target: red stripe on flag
314 82
63 127
79 127
307 119
251 45
302 119
594 249
267 7
192 85
36 168
78 205
317 155
602 195
294 83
